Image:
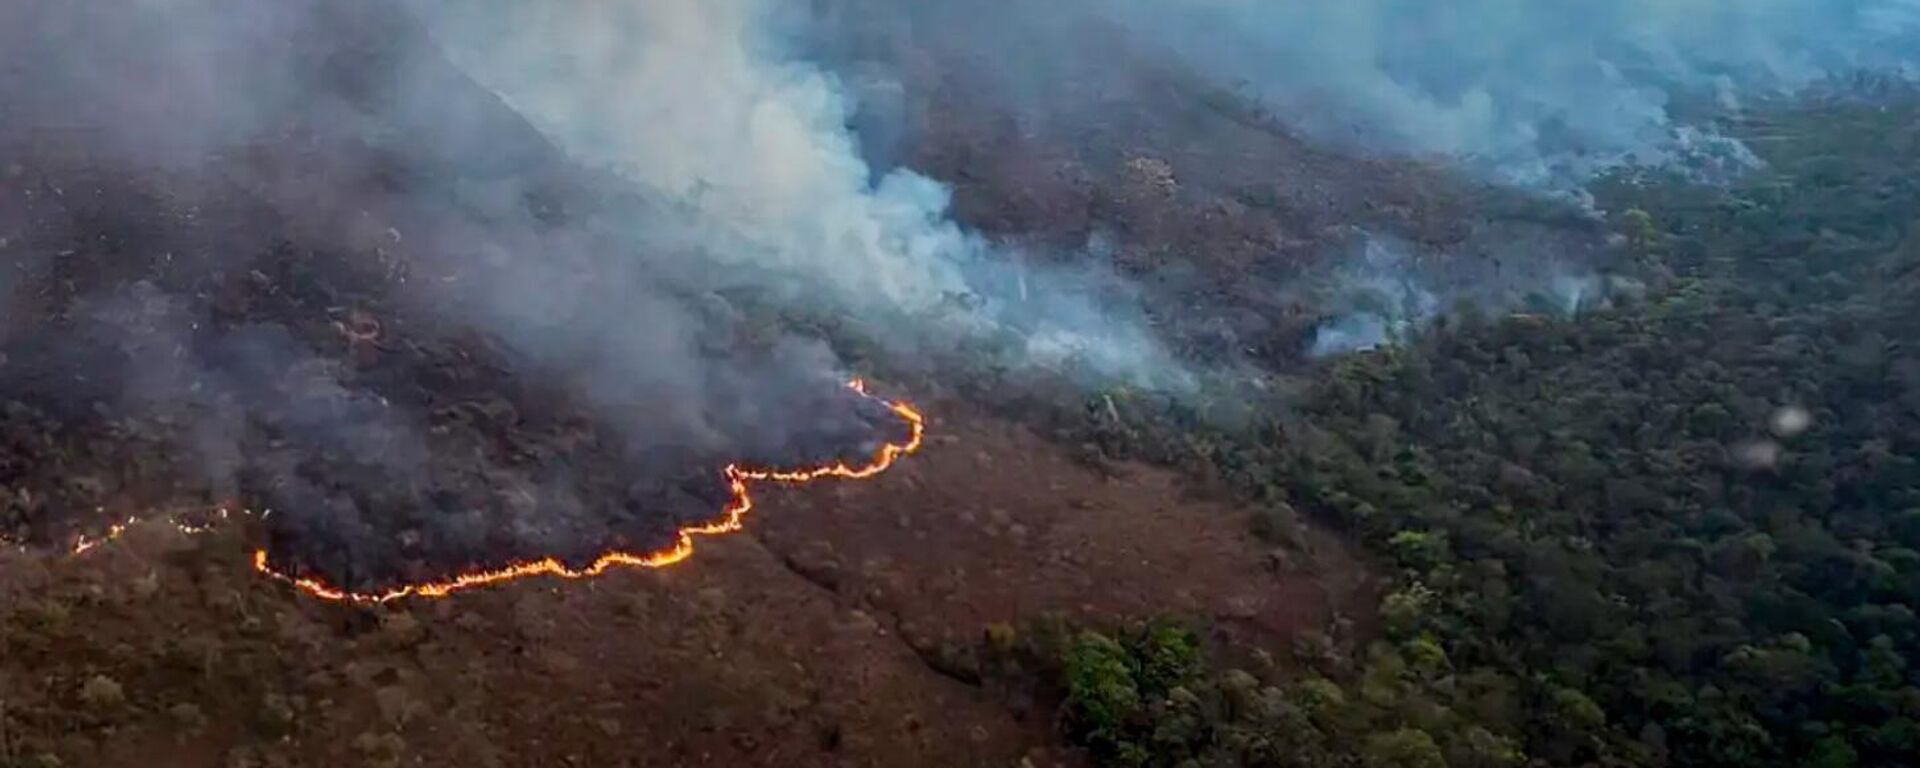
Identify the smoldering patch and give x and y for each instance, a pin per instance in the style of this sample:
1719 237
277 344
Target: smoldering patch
501 526
295 326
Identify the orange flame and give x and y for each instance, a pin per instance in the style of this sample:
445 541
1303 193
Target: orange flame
682 548
83 543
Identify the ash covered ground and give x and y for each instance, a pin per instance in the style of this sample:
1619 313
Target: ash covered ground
392 323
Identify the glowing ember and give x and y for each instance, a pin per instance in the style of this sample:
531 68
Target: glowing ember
85 544
730 521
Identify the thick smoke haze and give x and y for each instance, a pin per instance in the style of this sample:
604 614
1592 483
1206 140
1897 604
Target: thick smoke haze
443 281
1533 92
332 274
709 106
1543 94
1382 291
633 206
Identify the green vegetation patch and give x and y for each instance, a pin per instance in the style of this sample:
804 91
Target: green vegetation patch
1680 530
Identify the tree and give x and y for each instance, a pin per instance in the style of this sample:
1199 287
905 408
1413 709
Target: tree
1103 699
1403 748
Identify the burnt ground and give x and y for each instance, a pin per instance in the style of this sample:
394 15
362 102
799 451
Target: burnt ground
822 635
203 339
312 319
810 639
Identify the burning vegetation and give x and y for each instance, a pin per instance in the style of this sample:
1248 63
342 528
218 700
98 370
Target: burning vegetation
314 312
729 520
437 370
468 575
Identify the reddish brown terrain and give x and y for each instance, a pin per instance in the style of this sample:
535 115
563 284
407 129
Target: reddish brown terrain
835 630
802 641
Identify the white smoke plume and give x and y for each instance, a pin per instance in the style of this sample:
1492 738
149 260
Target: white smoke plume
1384 292
1530 91
705 103
1381 299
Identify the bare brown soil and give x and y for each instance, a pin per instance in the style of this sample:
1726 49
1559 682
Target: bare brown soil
792 644
992 525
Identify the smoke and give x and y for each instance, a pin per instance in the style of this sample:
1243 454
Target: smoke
1531 92
710 106
153 81
492 255
1384 290
338 278
1543 94
1378 299
472 280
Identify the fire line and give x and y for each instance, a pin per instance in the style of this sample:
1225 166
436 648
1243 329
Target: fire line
682 549
731 520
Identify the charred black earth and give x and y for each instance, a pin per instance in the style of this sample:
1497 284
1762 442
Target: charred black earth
302 317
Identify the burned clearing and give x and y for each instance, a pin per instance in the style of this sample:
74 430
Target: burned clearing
305 323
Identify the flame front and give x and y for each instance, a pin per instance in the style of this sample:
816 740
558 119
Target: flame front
731 521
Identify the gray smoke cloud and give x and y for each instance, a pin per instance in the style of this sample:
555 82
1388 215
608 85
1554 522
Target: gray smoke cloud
1382 291
442 281
1531 92
625 195
1538 93
710 105
299 244
1379 298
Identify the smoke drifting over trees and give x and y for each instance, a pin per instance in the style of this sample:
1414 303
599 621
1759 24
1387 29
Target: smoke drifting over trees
1530 91
710 106
463 213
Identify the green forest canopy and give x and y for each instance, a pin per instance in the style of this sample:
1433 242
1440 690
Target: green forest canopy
1616 543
